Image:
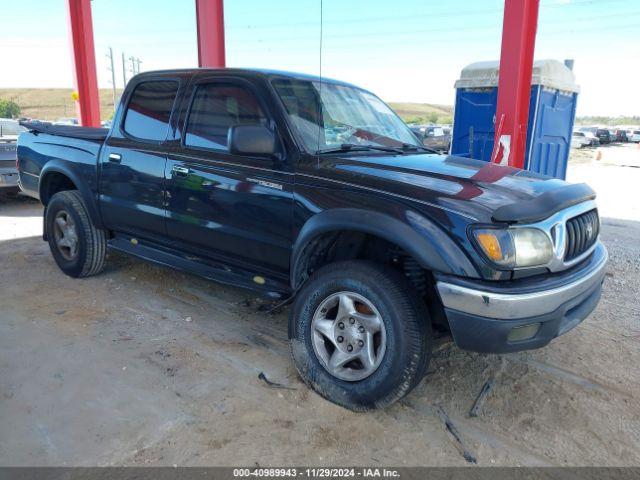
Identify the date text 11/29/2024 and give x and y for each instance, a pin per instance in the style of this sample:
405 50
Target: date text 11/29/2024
316 472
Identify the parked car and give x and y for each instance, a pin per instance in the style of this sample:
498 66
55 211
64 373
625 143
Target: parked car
9 130
381 245
433 137
579 140
621 135
603 135
589 133
635 136
66 121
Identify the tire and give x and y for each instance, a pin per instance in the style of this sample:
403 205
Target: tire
405 324
87 256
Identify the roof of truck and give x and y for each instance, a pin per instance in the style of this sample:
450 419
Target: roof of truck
260 71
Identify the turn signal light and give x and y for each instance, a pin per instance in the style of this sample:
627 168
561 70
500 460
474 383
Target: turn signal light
491 246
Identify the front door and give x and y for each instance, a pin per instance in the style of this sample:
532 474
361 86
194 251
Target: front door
221 205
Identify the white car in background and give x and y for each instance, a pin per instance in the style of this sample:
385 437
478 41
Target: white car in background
579 140
66 121
590 133
635 136
9 131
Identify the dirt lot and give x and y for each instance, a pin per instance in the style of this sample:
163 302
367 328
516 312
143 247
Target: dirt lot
145 366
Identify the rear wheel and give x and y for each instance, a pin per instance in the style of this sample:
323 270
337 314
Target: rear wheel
360 335
77 246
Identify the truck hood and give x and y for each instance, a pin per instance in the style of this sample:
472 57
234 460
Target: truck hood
472 188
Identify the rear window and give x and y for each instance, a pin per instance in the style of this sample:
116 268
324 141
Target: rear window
149 110
602 132
636 132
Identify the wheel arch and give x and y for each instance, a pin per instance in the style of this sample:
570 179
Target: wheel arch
431 247
58 176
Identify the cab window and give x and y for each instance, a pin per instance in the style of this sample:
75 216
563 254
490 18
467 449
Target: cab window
149 110
215 109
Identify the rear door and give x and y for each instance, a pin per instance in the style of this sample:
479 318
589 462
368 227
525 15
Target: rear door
232 207
131 188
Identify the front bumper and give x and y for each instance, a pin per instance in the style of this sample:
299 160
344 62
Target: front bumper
483 315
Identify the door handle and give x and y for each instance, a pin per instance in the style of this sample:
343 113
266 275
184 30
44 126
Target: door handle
115 157
180 171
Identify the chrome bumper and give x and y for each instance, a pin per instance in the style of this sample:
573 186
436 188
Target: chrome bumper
512 306
8 178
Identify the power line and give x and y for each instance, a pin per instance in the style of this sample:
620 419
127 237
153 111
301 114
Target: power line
457 40
417 16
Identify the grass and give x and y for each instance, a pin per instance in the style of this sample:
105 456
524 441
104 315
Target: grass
53 103
423 112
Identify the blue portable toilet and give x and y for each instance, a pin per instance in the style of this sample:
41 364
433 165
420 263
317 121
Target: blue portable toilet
552 111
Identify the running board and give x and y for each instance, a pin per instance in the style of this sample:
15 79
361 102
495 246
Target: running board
199 266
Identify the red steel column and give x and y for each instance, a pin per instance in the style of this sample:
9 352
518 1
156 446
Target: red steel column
84 61
514 82
210 25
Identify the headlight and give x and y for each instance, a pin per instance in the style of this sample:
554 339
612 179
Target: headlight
514 247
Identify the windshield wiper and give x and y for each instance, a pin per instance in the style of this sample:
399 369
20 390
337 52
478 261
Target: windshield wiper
352 147
407 147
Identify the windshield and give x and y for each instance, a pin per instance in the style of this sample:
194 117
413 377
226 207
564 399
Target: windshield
331 115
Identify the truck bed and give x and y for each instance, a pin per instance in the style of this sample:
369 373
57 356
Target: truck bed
85 133
74 150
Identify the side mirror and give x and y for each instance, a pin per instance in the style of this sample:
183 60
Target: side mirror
251 140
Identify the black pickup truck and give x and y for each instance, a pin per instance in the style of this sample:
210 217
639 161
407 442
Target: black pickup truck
316 192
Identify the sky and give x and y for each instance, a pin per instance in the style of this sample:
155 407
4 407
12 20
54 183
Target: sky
402 50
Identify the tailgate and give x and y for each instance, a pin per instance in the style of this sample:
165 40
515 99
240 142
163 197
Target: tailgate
8 154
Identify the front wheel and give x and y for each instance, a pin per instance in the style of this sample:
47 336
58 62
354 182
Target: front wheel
77 246
360 335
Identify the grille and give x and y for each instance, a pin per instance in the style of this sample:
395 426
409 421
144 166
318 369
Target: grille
582 232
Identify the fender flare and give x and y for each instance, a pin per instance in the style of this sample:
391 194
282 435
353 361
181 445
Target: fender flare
420 237
54 166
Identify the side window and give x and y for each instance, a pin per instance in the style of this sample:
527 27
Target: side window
149 110
217 107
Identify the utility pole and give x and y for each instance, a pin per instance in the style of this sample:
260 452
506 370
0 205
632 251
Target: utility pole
135 64
124 71
113 75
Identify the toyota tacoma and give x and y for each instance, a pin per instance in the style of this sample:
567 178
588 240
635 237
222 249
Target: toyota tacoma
313 191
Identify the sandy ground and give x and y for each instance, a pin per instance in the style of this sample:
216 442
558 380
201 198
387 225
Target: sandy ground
145 366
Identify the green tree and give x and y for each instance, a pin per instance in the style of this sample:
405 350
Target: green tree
432 117
9 109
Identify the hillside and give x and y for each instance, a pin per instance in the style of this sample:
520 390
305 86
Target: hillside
53 103
423 112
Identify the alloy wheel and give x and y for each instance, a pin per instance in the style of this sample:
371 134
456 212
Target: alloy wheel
348 336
